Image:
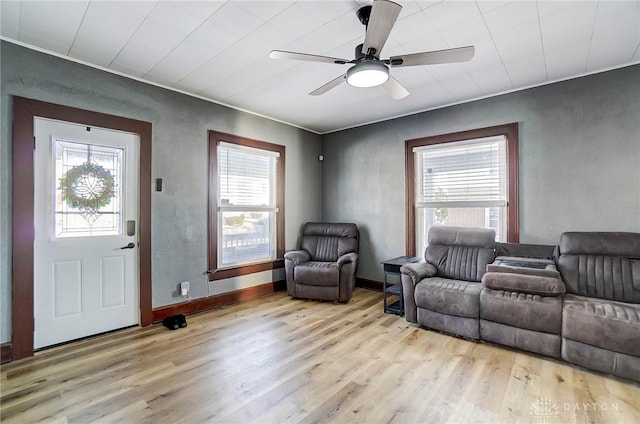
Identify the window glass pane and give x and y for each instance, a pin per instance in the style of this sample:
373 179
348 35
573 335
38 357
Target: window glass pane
246 237
88 190
492 217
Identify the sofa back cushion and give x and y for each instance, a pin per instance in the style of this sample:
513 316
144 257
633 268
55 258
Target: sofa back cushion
460 253
326 242
604 265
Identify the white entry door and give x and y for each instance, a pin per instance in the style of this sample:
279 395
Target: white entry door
86 231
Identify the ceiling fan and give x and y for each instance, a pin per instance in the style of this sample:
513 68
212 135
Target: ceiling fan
368 69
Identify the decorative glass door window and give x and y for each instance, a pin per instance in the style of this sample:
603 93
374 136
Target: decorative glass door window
88 190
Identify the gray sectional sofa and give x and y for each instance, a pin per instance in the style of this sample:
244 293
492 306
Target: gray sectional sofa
582 306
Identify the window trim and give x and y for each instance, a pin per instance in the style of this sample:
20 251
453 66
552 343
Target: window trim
510 132
214 274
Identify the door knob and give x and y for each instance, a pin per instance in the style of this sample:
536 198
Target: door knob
129 246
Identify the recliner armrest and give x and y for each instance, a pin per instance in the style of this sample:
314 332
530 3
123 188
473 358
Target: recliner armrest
348 258
418 271
297 256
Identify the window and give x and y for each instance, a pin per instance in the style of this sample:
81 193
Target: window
466 179
461 183
246 205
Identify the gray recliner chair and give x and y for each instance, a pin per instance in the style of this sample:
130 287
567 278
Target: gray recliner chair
325 266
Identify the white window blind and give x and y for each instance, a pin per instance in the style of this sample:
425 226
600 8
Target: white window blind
247 176
463 184
247 204
462 173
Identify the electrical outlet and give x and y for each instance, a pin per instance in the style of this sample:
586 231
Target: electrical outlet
184 288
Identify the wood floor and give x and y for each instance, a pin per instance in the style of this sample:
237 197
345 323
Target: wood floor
277 360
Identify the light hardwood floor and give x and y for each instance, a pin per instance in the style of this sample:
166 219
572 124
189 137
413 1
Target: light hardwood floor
276 360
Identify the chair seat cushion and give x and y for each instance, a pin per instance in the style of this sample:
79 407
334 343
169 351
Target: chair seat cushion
317 274
602 323
451 297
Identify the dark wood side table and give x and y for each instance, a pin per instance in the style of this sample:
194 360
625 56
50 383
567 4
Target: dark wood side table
391 268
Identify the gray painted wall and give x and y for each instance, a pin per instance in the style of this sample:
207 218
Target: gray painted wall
579 162
180 146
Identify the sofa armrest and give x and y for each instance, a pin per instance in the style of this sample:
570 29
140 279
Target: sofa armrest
524 283
410 275
297 256
347 258
418 271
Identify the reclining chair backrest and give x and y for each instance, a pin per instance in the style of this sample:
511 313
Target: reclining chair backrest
460 253
327 242
603 265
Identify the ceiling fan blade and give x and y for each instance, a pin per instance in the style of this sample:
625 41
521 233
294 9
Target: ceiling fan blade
279 54
383 16
460 54
395 89
328 86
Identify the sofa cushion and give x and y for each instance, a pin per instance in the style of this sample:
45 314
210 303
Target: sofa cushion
462 236
460 262
460 253
451 297
602 265
317 273
605 277
533 284
625 245
606 324
527 311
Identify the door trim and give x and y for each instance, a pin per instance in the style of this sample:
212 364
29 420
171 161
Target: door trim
24 112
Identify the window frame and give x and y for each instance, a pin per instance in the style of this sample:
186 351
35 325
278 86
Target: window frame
215 137
510 132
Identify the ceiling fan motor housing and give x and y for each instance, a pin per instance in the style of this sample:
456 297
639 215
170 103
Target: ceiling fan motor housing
363 14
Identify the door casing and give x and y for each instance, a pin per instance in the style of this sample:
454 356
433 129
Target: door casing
24 111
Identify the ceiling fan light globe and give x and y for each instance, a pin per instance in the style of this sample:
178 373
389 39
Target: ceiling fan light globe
367 74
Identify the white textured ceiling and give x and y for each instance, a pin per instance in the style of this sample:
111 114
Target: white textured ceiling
219 49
